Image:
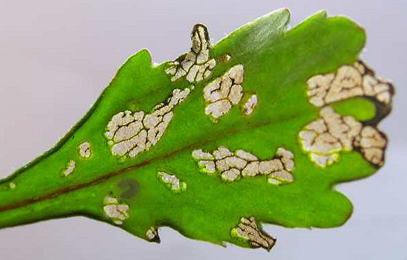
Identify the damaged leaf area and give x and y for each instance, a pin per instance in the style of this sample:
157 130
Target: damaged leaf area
232 166
255 129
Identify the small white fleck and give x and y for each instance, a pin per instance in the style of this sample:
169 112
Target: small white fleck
201 155
208 166
250 104
85 150
69 168
173 181
274 181
246 155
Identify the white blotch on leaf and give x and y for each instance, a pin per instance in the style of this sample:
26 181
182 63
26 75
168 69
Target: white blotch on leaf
195 65
115 211
250 104
348 82
326 137
224 92
248 230
70 168
174 183
132 133
231 166
85 150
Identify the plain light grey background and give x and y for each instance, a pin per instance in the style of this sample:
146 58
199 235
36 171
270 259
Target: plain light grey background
57 56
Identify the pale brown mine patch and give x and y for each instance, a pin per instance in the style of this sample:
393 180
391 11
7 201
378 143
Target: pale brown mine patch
248 230
347 82
250 104
326 137
85 150
195 65
232 166
115 211
70 168
174 183
224 92
132 133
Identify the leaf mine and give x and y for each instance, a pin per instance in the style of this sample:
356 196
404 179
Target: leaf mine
195 65
250 104
326 137
152 235
231 166
172 181
223 92
347 82
233 131
131 133
70 168
115 211
248 230
85 150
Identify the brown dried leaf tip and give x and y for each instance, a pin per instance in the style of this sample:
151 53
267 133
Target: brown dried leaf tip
248 230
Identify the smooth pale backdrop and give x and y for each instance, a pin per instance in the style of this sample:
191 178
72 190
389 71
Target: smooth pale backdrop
57 56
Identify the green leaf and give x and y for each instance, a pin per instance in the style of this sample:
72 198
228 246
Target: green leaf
255 129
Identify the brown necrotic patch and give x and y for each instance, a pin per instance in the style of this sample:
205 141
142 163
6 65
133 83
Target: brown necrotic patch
347 82
248 230
326 137
195 66
231 166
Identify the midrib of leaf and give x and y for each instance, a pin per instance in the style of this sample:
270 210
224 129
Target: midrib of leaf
110 175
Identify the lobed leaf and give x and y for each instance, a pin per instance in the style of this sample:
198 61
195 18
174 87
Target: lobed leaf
255 129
